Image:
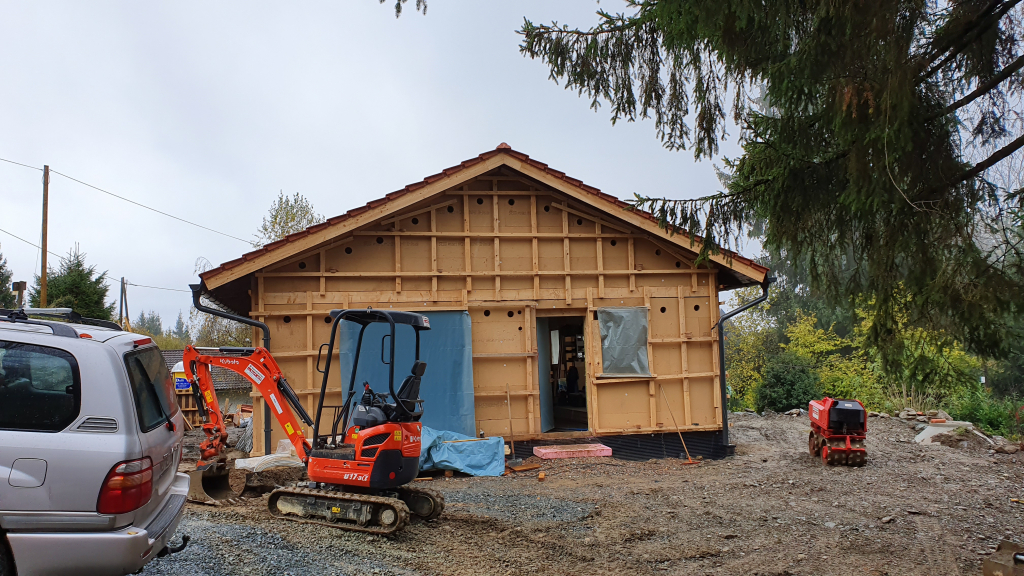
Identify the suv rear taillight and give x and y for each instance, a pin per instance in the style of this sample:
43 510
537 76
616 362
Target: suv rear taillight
128 486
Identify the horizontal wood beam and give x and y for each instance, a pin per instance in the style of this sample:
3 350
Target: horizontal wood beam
418 212
505 355
410 274
523 235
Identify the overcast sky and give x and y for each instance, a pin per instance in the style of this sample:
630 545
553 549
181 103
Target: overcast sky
206 110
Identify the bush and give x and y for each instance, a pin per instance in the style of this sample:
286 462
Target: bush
993 415
788 383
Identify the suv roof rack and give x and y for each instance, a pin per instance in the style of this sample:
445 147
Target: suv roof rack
65 314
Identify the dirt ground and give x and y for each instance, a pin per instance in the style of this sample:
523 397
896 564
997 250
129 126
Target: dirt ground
769 510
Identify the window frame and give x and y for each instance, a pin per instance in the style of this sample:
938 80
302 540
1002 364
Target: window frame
76 384
639 347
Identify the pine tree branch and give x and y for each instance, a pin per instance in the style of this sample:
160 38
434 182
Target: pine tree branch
980 91
967 38
992 160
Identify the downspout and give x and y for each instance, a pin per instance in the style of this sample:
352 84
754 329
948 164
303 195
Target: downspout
197 290
721 355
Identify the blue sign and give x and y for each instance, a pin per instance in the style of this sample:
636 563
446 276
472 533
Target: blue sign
181 384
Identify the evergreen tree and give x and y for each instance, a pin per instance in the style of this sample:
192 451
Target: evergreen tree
149 323
7 298
180 329
75 285
872 135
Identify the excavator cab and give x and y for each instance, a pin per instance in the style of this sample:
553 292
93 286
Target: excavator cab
374 408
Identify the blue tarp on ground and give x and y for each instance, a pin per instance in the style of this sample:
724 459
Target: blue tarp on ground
447 348
484 457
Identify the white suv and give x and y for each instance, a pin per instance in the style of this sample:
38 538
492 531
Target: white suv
90 440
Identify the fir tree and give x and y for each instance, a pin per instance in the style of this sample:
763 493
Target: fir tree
75 285
872 134
180 329
149 323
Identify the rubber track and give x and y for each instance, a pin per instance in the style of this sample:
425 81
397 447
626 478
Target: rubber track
434 495
400 508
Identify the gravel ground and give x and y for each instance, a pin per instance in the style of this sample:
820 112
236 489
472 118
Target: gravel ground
769 510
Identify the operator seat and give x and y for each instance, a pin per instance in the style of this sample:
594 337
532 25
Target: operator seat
409 393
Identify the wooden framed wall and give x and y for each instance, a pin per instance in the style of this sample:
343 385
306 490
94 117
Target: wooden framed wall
508 250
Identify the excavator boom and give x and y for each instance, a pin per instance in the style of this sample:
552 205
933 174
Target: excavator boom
210 480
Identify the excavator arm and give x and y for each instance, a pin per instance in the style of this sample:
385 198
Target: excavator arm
260 368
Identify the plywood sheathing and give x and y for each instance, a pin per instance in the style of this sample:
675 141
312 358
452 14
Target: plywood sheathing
501 156
507 248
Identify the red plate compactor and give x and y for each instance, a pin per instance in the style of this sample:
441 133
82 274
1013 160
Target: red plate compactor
838 430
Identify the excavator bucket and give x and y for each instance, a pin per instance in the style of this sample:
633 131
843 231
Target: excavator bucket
211 485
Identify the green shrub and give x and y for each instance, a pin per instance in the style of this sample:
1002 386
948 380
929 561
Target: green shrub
993 415
788 383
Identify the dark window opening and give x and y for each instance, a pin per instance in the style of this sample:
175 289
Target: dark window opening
152 387
40 388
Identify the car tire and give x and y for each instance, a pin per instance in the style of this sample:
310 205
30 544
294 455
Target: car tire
6 558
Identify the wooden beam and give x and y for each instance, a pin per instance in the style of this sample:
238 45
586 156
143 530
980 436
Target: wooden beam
418 212
596 219
630 217
469 254
369 216
632 267
565 257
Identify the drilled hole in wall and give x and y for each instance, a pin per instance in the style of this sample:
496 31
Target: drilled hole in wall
348 250
510 314
302 265
287 319
696 307
487 312
613 242
520 328
479 200
327 319
679 264
520 312
451 209
415 221
579 221
511 201
380 240
657 252
662 309
547 208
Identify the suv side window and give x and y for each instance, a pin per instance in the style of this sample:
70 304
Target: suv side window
40 387
152 387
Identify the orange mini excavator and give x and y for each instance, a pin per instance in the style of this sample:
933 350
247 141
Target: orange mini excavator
358 480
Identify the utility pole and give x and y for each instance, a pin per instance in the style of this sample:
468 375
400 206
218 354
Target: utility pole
120 313
46 197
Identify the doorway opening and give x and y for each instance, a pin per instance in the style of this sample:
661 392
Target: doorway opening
563 388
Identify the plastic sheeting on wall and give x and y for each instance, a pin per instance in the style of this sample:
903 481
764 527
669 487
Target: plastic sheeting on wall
624 340
447 348
479 457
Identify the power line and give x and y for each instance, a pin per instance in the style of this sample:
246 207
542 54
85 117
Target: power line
132 202
62 258
20 164
155 287
149 208
30 243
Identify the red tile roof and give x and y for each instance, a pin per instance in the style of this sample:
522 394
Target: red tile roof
502 148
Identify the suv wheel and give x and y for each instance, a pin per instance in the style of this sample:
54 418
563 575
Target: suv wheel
6 561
